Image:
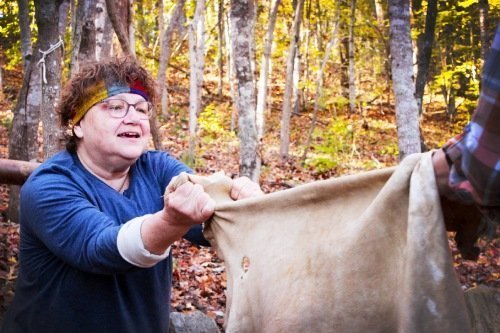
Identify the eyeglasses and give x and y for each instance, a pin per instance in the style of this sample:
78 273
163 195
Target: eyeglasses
118 108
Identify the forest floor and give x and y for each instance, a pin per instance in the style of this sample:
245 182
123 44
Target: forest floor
199 275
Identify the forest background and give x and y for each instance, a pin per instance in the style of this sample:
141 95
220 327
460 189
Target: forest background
285 92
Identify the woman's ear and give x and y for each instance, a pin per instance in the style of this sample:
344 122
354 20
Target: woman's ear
77 131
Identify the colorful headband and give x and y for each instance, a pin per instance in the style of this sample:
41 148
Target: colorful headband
100 91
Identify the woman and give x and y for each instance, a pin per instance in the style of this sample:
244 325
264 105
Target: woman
95 228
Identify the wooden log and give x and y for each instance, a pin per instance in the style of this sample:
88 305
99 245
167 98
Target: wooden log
14 172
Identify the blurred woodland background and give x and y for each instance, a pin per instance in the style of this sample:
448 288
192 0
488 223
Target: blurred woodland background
285 92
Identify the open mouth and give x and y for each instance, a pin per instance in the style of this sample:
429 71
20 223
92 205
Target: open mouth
129 135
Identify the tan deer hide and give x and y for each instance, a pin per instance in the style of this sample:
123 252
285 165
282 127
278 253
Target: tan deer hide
360 253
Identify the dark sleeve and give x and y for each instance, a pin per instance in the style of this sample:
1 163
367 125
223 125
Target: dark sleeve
195 235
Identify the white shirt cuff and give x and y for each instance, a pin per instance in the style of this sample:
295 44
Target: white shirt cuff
131 247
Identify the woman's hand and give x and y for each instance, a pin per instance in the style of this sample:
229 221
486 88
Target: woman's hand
189 204
243 188
185 206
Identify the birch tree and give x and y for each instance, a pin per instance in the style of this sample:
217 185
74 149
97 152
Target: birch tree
220 51
379 13
242 25
402 77
352 69
297 92
104 31
231 76
264 70
196 31
287 95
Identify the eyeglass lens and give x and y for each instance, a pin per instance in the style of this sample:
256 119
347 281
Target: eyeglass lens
119 108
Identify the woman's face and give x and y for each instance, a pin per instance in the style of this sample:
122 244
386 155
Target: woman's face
109 141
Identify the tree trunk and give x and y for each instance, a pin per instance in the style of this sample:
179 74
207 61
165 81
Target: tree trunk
160 24
165 52
24 24
253 47
197 63
352 71
84 34
50 45
296 77
484 27
153 121
264 71
220 51
104 32
307 57
64 9
130 25
379 13
242 25
231 76
287 96
344 61
425 43
119 25
403 85
23 139
447 87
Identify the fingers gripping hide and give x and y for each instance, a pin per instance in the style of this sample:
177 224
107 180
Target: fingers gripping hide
188 203
193 200
243 188
175 182
205 205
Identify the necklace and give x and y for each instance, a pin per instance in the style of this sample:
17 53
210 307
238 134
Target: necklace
121 189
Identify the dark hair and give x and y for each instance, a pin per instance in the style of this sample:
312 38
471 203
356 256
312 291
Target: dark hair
76 90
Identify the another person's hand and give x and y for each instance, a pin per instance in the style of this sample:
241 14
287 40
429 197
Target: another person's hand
189 204
441 172
243 188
